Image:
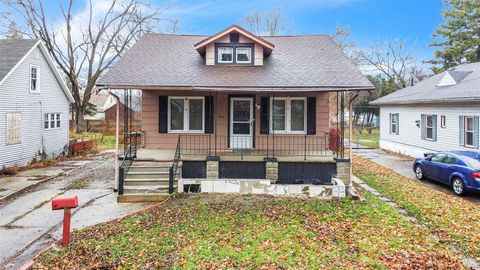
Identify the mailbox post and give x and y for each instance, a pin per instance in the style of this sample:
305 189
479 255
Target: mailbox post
66 204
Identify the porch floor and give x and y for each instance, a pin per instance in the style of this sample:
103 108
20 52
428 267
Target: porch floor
168 154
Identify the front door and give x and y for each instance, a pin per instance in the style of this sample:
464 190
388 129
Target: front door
241 122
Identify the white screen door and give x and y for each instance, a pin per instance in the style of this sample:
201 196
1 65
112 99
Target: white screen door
241 122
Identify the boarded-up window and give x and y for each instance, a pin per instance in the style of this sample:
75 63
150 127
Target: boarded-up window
14 123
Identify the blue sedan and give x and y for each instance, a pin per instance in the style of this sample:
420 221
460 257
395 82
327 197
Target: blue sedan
459 169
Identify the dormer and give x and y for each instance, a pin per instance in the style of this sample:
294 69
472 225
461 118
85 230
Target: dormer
453 77
234 46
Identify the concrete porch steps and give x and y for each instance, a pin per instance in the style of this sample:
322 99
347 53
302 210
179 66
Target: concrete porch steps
147 181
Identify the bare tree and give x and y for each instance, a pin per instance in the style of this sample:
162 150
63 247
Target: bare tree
270 23
84 48
13 32
393 60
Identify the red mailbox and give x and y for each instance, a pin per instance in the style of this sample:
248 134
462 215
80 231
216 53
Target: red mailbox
62 203
66 204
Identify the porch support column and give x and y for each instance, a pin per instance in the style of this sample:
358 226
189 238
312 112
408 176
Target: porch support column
350 132
271 169
212 167
117 134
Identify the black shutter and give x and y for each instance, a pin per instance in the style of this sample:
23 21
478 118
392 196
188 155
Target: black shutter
209 114
311 115
162 114
264 115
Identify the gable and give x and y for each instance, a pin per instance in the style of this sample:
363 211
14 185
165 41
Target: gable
201 45
41 52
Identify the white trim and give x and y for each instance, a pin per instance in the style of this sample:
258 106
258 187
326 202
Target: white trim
288 116
49 116
465 131
37 85
219 56
396 117
249 55
248 143
427 127
186 115
50 63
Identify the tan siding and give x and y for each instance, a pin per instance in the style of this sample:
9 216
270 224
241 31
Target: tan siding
153 139
257 52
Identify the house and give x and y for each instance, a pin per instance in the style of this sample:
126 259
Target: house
34 104
237 107
104 108
440 113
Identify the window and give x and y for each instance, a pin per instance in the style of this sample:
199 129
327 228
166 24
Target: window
234 53
186 114
34 74
14 123
225 54
438 157
429 127
443 121
469 131
243 55
51 121
450 160
288 115
394 123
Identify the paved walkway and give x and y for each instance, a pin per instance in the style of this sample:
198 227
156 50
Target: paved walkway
28 224
403 166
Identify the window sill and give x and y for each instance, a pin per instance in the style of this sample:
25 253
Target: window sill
35 92
185 132
288 132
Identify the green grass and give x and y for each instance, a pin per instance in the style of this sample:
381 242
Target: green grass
207 231
364 138
455 220
103 141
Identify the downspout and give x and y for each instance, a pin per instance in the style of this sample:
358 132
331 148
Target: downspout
350 132
117 134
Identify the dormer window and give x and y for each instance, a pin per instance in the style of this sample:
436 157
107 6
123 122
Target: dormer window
240 53
244 55
225 54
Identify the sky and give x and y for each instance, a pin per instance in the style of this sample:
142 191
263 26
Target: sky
370 21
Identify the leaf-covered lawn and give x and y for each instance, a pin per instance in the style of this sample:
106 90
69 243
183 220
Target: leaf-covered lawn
455 220
207 231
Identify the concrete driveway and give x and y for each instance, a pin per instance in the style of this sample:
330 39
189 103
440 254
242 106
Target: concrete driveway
28 225
403 166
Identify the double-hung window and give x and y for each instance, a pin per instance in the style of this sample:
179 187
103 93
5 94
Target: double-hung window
225 55
288 115
234 53
51 121
394 117
34 76
469 131
429 126
186 114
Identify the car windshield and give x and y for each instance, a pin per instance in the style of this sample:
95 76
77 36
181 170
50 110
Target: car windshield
472 162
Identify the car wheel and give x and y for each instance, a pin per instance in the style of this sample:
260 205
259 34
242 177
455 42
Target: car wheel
419 172
458 186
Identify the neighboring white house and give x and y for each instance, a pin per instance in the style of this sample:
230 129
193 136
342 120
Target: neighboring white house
440 113
34 104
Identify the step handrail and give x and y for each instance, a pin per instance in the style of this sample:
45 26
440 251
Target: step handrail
173 169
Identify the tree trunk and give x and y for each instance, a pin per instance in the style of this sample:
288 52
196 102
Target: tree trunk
79 120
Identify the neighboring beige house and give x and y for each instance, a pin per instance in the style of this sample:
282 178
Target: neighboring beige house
238 106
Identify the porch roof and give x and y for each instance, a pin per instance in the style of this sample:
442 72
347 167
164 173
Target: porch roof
298 63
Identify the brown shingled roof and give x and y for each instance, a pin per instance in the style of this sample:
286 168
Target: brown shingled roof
312 61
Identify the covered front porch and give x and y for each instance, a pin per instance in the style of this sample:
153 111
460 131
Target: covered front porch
218 142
